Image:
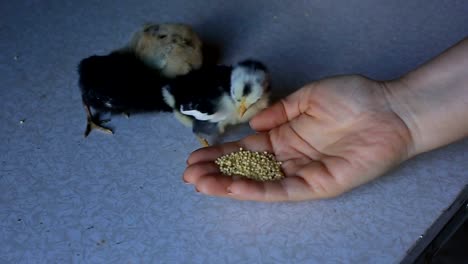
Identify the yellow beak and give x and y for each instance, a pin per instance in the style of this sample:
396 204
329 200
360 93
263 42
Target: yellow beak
242 109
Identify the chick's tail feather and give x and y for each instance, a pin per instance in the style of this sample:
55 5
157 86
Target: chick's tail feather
121 82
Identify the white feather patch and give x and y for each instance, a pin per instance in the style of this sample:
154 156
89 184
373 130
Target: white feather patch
216 117
225 110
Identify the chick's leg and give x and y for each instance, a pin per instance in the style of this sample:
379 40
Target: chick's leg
92 124
185 120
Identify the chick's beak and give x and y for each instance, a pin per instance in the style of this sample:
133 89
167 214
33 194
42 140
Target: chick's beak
242 108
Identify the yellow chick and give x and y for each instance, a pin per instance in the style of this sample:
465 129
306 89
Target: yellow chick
173 49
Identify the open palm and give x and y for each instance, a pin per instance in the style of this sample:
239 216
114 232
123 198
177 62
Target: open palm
331 135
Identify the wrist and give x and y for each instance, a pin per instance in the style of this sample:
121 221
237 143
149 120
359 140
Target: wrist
395 92
432 100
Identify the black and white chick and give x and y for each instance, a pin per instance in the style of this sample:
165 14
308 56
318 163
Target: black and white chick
214 97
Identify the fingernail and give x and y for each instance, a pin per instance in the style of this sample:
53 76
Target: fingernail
228 190
185 181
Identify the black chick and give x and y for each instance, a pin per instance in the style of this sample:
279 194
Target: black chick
119 83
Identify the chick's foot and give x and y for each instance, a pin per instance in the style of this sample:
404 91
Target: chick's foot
91 124
94 124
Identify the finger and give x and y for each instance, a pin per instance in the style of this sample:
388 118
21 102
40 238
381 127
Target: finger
193 172
213 184
257 142
313 181
212 153
279 113
288 189
208 180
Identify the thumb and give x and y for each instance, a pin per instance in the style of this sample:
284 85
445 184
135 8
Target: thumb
279 113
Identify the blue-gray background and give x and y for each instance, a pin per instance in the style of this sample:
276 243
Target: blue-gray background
120 199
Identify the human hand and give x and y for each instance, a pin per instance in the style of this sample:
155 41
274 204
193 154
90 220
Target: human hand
331 136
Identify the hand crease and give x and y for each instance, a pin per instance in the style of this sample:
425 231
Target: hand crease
319 154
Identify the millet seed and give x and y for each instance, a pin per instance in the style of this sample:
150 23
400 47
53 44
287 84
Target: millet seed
259 166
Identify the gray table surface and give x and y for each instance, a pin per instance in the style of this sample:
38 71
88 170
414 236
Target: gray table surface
120 199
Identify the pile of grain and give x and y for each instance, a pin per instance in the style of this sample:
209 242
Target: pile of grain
259 166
